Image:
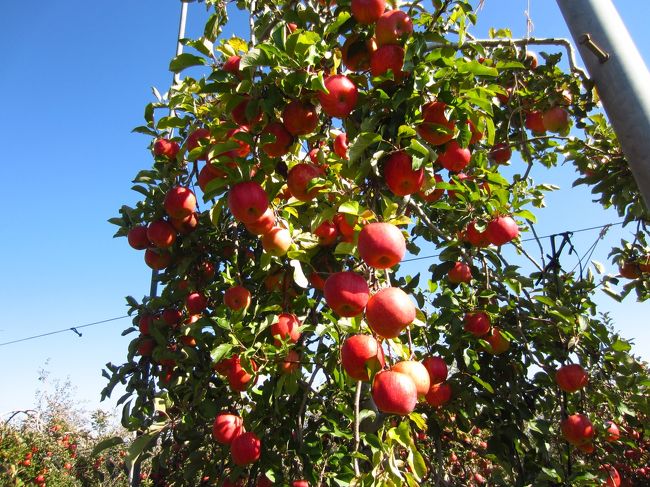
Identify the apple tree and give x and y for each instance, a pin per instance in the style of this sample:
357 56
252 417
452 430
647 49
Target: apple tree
298 338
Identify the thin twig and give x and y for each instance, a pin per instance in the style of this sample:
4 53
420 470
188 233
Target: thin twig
357 438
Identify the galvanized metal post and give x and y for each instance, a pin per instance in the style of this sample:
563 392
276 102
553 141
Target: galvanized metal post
620 76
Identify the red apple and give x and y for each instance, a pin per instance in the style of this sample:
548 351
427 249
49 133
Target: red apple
291 362
360 353
390 57
200 136
428 191
437 369
357 51
231 65
438 394
436 127
263 224
381 245
393 27
535 122
341 97
277 241
327 232
501 230
240 116
247 201
344 227
172 316
556 120
185 225
227 427
161 234
196 303
180 202
165 148
367 11
137 237
246 449
144 324
300 118
237 298
389 311
400 176
571 378
283 140
341 145
146 346
299 483
417 372
500 153
474 237
300 177
460 273
346 293
577 429
478 323
207 174
157 259
287 326
498 343
394 393
629 270
454 158
611 475
612 431
238 378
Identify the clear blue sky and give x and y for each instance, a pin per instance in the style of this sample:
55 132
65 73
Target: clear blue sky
75 77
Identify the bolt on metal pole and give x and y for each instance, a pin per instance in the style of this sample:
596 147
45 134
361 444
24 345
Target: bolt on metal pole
620 76
134 474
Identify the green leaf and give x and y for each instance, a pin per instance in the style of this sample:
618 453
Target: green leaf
621 346
477 69
185 60
361 143
106 444
254 57
350 207
220 352
138 446
417 463
485 385
298 274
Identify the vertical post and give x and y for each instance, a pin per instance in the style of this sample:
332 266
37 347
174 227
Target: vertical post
134 474
620 76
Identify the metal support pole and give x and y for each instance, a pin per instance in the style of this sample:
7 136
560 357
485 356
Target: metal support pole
620 76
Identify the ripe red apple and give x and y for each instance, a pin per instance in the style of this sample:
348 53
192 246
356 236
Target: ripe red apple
300 118
367 11
437 369
157 259
185 225
611 475
502 230
356 52
137 237
300 177
454 158
237 298
428 191
247 201
231 65
577 429
327 233
571 378
629 270
144 324
208 173
360 353
344 227
389 57
436 127
461 272
478 323
400 176
417 372
394 393
535 122
146 346
180 202
263 224
227 427
277 241
172 316
393 27
500 153
286 326
283 140
341 98
381 245
498 343
474 237
341 145
389 311
291 362
238 378
299 483
196 303
556 120
438 394
200 136
612 432
246 449
531 61
477 135
165 148
240 116
161 234
346 293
